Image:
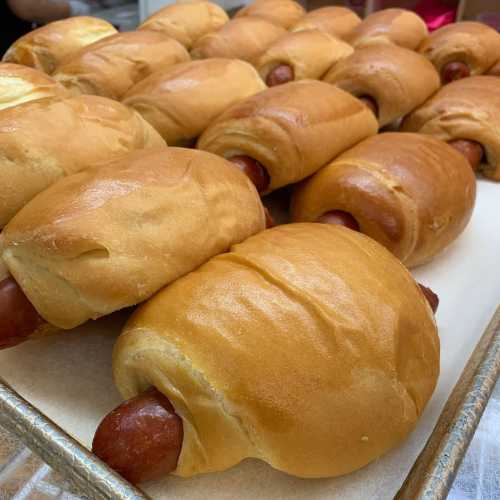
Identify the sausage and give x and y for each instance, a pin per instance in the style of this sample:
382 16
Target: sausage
254 170
142 438
339 217
280 74
18 317
370 103
472 150
454 71
431 297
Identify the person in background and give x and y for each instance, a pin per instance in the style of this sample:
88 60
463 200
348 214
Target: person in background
18 17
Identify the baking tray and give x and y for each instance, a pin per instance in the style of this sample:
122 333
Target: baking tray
432 473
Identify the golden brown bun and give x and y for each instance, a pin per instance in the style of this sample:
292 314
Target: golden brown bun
397 79
412 193
397 26
42 141
182 101
336 21
311 53
245 38
475 44
495 70
20 84
111 236
464 109
111 66
281 12
308 346
187 22
292 129
45 47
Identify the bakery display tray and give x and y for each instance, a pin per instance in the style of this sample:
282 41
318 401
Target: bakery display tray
53 392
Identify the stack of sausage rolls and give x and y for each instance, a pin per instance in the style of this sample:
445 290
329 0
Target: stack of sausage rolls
134 172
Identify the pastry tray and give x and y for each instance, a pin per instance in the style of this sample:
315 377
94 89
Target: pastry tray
54 390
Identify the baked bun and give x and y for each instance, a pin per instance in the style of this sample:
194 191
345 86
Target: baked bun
42 141
309 54
20 84
336 21
412 193
45 47
474 44
495 70
307 346
110 237
395 26
292 130
244 38
465 109
398 80
186 22
281 12
111 66
180 102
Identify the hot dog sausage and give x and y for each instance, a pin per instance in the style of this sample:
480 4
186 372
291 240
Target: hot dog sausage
370 103
18 317
472 150
454 71
280 74
254 170
339 217
431 297
142 438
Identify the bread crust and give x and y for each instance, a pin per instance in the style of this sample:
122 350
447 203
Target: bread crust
412 193
181 102
395 26
307 346
283 13
292 129
112 66
186 22
45 47
111 236
397 79
464 109
45 140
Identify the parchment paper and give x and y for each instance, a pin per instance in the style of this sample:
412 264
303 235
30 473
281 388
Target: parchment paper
68 376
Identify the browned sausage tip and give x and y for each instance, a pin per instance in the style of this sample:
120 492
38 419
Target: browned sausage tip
254 171
431 297
472 150
370 103
454 71
18 317
142 438
280 74
339 217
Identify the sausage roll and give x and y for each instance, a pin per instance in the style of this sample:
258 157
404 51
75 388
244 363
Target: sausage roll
20 84
392 80
336 21
395 26
316 366
109 237
244 38
495 70
289 131
465 113
462 49
42 141
281 12
301 55
111 66
187 22
45 47
412 193
180 102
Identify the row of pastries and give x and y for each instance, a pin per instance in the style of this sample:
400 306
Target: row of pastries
137 167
